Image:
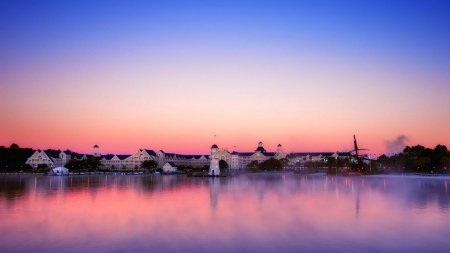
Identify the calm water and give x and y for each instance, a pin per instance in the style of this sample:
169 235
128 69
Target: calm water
248 213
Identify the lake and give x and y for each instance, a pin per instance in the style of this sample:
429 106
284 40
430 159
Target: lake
247 213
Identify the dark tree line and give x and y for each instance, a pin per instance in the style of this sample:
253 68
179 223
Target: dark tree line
418 159
90 164
149 165
14 158
271 164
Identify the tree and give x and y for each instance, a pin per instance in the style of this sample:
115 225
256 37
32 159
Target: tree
446 161
422 162
331 161
253 165
92 163
312 165
284 162
42 166
14 158
439 152
291 156
426 161
373 165
14 146
399 160
74 164
271 164
89 164
149 165
385 161
223 165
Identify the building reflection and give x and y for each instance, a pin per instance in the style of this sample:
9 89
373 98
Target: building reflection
410 192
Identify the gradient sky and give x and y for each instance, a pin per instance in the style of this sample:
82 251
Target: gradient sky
172 74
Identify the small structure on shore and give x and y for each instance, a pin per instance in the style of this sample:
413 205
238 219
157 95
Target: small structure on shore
169 167
60 170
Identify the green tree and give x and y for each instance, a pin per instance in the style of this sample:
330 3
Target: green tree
74 165
373 166
14 146
149 165
291 156
92 163
42 166
253 165
311 166
284 162
271 164
446 161
223 165
426 161
423 162
439 152
14 157
399 160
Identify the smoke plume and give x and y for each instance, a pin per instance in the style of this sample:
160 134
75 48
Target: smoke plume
396 146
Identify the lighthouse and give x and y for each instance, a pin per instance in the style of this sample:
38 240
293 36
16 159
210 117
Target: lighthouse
214 169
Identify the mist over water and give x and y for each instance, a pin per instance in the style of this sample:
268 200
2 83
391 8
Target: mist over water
251 212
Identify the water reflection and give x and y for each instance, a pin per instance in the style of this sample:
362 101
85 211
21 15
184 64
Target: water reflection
257 212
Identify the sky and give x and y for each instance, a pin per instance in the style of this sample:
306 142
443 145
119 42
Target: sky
179 76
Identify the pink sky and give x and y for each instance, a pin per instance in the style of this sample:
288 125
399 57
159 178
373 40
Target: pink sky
174 80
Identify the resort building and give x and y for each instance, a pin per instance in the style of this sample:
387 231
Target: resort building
235 160
49 158
40 157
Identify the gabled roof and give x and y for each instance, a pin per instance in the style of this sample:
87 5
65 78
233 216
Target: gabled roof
322 153
193 156
107 157
123 157
261 149
242 153
52 153
150 152
77 156
172 164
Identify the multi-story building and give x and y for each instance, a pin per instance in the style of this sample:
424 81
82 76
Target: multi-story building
236 160
51 158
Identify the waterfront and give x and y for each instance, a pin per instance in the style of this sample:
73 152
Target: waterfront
251 212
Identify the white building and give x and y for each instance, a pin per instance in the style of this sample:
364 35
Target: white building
40 157
240 160
235 160
169 167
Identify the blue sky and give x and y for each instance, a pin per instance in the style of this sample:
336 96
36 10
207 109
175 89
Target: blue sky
379 69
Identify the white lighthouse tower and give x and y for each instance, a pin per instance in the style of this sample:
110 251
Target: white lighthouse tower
214 168
96 151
